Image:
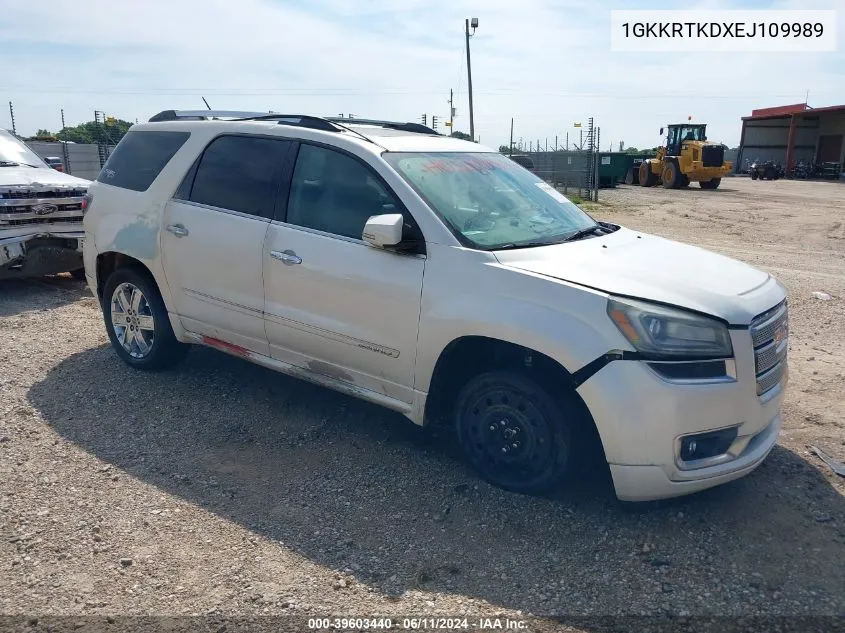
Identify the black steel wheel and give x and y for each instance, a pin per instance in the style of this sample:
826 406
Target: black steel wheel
513 433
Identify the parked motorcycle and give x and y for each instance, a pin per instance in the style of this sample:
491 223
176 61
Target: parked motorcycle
804 169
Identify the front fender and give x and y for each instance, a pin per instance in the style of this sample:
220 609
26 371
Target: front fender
566 322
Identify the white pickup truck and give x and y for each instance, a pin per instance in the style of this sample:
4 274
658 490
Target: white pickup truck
40 214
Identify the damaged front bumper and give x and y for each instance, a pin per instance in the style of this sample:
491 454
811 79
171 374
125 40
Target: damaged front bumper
41 253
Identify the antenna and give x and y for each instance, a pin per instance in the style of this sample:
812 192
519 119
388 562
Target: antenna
206 103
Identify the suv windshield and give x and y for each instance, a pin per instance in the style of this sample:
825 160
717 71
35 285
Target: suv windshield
14 152
488 200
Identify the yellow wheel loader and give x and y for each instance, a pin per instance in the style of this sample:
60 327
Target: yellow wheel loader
687 157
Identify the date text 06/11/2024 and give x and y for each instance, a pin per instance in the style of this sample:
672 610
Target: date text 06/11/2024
421 623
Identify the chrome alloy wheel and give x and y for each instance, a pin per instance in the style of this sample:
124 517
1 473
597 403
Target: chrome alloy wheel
132 320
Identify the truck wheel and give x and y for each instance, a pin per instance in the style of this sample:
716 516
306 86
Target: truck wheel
710 184
647 177
137 322
671 176
513 433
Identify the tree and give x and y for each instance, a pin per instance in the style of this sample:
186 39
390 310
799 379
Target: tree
461 135
504 149
94 132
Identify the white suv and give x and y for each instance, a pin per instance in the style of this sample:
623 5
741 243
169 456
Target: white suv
436 277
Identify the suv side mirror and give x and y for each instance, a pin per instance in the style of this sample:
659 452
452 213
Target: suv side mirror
383 230
661 131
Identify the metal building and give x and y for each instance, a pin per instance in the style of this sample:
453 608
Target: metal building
787 134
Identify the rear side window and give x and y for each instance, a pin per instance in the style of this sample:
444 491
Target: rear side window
139 158
240 173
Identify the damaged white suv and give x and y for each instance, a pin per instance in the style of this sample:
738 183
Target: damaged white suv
40 214
436 277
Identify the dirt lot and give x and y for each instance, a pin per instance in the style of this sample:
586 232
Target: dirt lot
223 488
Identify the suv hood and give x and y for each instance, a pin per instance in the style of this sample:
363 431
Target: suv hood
642 266
38 178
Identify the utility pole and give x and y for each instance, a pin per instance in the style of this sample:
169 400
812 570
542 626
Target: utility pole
510 147
65 151
555 142
12 115
547 144
567 141
451 112
474 25
423 118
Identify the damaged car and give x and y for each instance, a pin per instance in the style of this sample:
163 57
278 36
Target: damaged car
440 279
40 214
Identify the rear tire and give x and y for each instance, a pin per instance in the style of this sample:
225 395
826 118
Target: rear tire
137 321
710 184
513 432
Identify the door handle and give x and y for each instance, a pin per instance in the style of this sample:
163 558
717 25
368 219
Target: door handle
286 257
178 230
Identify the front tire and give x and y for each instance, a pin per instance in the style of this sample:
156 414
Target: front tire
672 177
137 321
647 177
513 433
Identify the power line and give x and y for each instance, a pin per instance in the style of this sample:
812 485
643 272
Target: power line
246 92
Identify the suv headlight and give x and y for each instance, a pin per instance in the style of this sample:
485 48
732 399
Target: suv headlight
658 332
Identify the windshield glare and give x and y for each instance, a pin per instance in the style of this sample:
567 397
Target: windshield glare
489 200
14 151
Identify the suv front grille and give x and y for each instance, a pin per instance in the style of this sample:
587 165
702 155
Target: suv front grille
57 205
770 336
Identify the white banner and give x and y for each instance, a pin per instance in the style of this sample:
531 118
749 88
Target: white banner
711 31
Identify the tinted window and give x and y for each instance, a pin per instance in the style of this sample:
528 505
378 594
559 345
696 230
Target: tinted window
139 158
240 173
335 193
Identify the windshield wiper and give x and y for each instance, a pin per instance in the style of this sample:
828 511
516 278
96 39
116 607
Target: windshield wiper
9 163
577 235
514 245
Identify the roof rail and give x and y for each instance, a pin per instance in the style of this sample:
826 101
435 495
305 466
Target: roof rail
328 124
300 120
417 128
202 115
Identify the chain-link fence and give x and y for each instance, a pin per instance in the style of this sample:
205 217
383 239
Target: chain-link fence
79 159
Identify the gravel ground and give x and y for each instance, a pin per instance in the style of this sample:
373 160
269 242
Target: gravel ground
223 488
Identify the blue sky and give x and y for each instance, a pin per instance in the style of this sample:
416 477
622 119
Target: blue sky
547 63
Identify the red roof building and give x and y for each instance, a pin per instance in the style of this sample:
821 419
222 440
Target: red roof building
789 133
